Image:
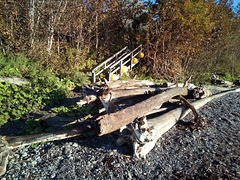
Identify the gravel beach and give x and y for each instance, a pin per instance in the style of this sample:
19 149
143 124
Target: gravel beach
212 153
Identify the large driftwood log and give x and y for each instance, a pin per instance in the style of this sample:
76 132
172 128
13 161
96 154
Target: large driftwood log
17 141
117 94
161 124
123 84
7 143
114 121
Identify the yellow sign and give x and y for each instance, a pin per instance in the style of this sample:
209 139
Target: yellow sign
114 77
124 69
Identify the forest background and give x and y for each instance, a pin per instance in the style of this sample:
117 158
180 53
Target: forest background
51 42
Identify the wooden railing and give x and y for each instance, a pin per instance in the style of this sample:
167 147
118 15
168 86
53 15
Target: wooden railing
114 64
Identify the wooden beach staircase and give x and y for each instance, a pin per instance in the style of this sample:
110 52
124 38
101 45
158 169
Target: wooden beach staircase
114 64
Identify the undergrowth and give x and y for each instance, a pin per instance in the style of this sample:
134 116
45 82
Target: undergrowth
75 110
44 88
37 126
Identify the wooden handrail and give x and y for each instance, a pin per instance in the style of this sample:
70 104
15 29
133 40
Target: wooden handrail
106 67
109 59
117 62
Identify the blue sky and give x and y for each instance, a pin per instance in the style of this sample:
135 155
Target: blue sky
235 2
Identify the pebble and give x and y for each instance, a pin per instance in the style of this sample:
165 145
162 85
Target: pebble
53 176
34 163
25 154
75 145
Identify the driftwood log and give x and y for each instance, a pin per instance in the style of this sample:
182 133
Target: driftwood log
161 124
114 121
7 143
126 84
117 95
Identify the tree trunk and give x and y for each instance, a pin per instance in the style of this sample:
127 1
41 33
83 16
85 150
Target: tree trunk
112 122
32 21
124 84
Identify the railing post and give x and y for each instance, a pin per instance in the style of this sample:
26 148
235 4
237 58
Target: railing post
131 65
121 68
109 78
93 77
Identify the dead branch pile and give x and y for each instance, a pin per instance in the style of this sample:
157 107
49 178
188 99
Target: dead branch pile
141 114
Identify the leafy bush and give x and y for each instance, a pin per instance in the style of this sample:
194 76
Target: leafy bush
17 101
44 88
19 66
79 78
229 77
75 110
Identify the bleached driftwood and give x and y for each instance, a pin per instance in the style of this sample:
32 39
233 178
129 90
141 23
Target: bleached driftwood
7 143
114 121
172 85
91 95
216 88
125 84
159 125
199 92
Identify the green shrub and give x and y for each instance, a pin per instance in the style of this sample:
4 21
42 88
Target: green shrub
17 101
80 78
75 110
229 77
19 66
44 88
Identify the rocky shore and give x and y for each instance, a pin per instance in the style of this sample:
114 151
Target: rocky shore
212 153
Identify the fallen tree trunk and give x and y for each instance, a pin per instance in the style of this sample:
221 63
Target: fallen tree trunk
123 84
112 122
163 123
7 143
118 94
18 141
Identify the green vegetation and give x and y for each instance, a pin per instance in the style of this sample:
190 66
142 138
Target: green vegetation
20 66
75 110
44 88
34 126
37 126
34 145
